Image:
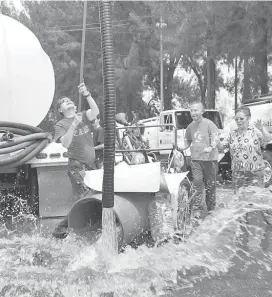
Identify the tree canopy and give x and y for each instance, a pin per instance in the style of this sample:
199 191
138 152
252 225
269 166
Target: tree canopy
197 38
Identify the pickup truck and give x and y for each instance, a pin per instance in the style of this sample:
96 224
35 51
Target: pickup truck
170 126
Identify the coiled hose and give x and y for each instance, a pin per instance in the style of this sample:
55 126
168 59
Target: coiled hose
109 103
30 141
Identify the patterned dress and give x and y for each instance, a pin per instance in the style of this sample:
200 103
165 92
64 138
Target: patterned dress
245 150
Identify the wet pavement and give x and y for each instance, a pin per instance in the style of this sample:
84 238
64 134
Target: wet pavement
248 277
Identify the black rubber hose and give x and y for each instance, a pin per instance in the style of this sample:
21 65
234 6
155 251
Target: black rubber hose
39 147
16 131
15 148
22 139
8 159
109 103
21 126
29 143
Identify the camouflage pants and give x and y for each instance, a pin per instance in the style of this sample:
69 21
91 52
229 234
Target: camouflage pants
204 175
76 172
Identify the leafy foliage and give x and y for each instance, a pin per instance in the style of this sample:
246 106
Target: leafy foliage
196 36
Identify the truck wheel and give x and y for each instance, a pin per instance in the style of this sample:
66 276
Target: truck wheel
268 168
184 206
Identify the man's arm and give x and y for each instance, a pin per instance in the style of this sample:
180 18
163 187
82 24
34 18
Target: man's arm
93 112
187 141
99 147
67 137
214 137
185 146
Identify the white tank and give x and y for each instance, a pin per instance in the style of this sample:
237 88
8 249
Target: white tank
27 81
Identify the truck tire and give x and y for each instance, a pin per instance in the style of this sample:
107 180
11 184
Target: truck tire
267 156
184 206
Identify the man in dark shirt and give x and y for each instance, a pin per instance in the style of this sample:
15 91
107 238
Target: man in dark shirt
98 138
74 131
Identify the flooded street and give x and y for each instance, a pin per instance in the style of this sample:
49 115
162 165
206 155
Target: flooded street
250 274
217 260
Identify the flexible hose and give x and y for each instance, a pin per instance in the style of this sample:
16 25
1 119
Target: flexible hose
29 142
109 103
22 139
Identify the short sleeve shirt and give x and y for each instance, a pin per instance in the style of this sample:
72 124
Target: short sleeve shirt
245 150
98 138
82 146
200 135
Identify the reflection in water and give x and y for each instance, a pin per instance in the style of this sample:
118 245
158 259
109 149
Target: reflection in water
35 266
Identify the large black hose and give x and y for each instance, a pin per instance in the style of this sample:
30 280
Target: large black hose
28 143
109 103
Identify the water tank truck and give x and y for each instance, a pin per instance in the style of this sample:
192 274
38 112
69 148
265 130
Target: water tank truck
34 169
30 168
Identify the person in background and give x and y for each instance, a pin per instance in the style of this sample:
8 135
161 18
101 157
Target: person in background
202 136
74 132
245 143
98 138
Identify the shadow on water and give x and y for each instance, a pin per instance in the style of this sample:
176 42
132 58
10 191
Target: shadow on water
230 254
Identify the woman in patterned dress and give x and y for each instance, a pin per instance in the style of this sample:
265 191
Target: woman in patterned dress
245 144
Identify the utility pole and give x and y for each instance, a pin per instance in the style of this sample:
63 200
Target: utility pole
235 85
82 51
210 100
209 78
161 62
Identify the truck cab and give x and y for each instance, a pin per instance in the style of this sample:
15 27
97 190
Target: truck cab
171 126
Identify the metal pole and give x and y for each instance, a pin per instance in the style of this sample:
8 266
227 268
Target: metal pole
235 84
82 51
161 73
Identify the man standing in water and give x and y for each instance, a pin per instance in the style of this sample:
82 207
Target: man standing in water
202 136
74 131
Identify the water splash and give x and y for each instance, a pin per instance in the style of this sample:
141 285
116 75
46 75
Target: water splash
109 242
32 265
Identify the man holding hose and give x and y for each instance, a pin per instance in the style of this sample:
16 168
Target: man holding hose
74 131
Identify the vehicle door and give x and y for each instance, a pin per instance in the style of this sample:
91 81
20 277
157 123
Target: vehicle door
166 133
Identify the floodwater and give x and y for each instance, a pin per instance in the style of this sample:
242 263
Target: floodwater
230 254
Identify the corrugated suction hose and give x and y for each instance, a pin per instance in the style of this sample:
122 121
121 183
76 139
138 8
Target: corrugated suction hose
28 143
109 103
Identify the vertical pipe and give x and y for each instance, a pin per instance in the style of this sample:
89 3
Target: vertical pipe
161 72
109 103
82 52
209 79
235 84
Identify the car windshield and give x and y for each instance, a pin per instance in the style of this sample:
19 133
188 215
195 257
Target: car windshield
183 118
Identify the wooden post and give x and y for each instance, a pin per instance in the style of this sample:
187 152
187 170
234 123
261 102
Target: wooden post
81 80
161 62
235 85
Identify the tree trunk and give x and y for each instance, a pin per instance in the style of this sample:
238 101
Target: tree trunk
202 79
168 86
246 90
210 99
262 59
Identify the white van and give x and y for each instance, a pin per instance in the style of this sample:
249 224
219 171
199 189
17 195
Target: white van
162 130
